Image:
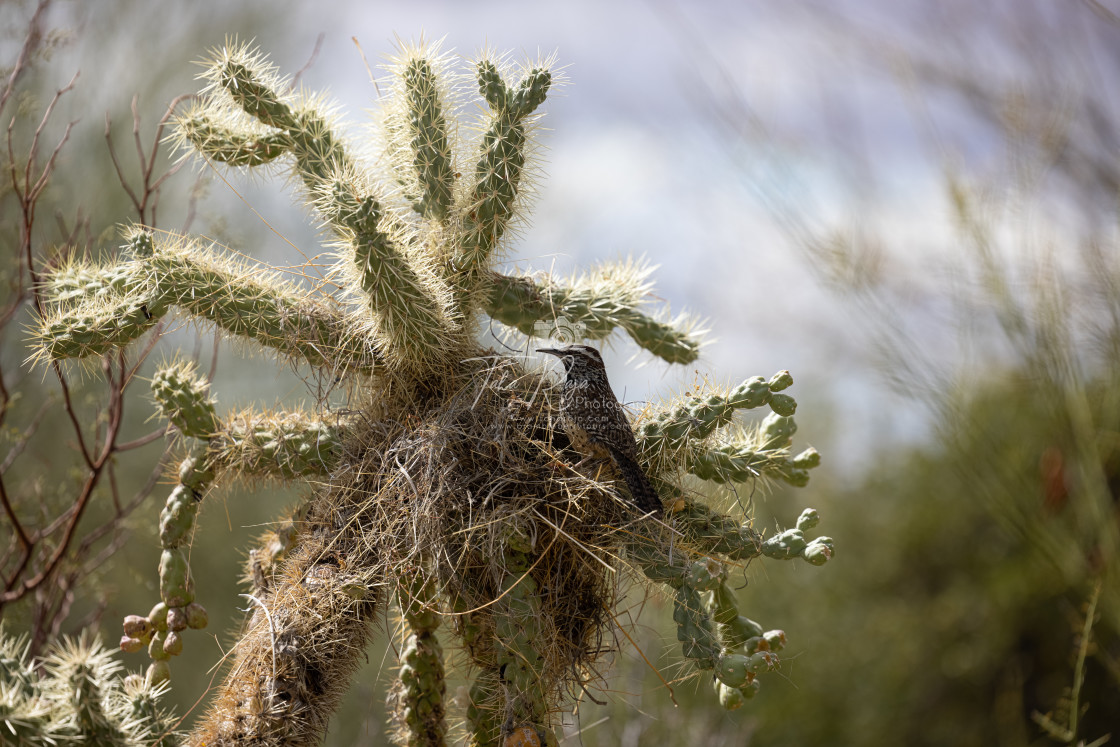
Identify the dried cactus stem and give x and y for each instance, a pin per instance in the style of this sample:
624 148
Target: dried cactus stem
300 647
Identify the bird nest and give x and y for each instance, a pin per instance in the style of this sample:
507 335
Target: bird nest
476 493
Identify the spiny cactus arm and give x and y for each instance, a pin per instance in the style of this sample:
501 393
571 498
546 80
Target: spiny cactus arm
284 445
713 533
161 631
184 400
81 677
746 650
25 717
417 130
252 84
75 695
393 279
228 145
591 306
710 635
792 543
262 306
381 260
496 181
752 454
76 282
94 328
416 701
517 635
667 436
482 713
125 300
141 699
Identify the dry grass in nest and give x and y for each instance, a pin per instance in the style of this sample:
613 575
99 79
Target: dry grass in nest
478 490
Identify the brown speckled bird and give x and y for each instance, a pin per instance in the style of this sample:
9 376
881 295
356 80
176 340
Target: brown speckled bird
596 423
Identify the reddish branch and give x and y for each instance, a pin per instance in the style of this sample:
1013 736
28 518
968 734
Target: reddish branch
49 560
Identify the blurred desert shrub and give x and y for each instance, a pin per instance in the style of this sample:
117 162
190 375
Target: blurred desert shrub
979 602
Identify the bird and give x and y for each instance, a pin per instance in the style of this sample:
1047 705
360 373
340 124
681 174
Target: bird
596 423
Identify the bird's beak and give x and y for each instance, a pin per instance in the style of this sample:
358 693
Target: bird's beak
551 351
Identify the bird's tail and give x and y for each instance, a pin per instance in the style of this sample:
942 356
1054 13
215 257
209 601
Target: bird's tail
645 497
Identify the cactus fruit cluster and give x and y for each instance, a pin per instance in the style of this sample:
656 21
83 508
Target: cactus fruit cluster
445 491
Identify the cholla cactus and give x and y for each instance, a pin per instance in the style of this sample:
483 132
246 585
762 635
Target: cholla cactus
75 695
446 492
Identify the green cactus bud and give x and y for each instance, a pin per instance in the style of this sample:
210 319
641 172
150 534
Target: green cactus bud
705 575
819 551
197 616
776 639
138 243
808 519
783 404
731 698
777 431
762 661
158 672
175 584
158 616
785 545
779 381
731 669
808 459
155 647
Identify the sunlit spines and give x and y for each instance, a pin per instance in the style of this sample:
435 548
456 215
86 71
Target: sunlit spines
590 306
381 264
418 130
244 93
238 298
184 399
490 200
228 145
672 435
76 694
284 445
